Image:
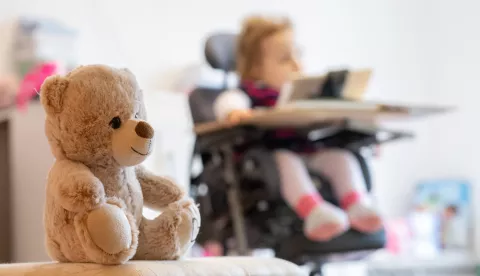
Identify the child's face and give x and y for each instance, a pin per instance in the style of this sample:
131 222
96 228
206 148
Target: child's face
279 63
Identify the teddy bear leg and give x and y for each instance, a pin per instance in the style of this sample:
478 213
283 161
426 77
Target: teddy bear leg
53 250
170 235
108 234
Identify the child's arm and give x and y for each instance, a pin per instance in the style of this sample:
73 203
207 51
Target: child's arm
232 105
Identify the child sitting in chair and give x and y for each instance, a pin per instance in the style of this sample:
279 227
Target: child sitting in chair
266 61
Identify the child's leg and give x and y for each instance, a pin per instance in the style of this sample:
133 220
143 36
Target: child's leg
345 174
323 220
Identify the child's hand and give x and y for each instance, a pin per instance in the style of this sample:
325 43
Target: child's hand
237 116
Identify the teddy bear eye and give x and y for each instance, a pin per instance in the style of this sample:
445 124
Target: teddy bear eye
137 115
115 122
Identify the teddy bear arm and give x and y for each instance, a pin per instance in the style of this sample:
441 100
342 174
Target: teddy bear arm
76 189
158 192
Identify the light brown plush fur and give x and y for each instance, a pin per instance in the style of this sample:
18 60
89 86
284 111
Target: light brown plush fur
96 189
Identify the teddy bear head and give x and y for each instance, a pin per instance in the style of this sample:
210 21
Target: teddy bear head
95 115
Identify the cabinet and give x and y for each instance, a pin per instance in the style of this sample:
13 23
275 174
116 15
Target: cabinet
30 161
5 186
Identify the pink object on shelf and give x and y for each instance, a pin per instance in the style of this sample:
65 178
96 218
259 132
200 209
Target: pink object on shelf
32 82
398 234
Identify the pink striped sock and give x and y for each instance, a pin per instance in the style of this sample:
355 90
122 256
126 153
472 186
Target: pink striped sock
306 204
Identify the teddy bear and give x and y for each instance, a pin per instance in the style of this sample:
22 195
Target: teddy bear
96 189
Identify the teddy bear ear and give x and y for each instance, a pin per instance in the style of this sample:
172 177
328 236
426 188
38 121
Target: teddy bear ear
126 70
128 73
51 93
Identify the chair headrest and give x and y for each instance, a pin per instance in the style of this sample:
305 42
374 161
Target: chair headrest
220 51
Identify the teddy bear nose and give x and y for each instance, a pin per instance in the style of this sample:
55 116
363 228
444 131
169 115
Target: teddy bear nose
144 130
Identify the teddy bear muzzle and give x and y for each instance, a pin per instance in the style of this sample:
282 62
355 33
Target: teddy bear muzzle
144 130
132 143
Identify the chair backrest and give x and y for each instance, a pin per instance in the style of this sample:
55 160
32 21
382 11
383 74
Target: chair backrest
220 51
220 55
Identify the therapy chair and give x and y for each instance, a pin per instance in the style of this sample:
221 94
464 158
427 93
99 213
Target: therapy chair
239 196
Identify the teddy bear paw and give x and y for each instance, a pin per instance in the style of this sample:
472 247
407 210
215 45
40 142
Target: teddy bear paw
109 229
190 222
180 205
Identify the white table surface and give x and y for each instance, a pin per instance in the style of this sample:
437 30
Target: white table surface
384 264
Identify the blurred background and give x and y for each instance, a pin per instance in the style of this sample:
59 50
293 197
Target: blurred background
423 52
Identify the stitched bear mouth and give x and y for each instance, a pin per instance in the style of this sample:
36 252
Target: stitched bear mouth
143 154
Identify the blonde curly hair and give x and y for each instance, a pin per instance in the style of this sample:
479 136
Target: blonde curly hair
255 30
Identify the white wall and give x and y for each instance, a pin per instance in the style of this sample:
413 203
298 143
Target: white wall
422 51
442 71
447 32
